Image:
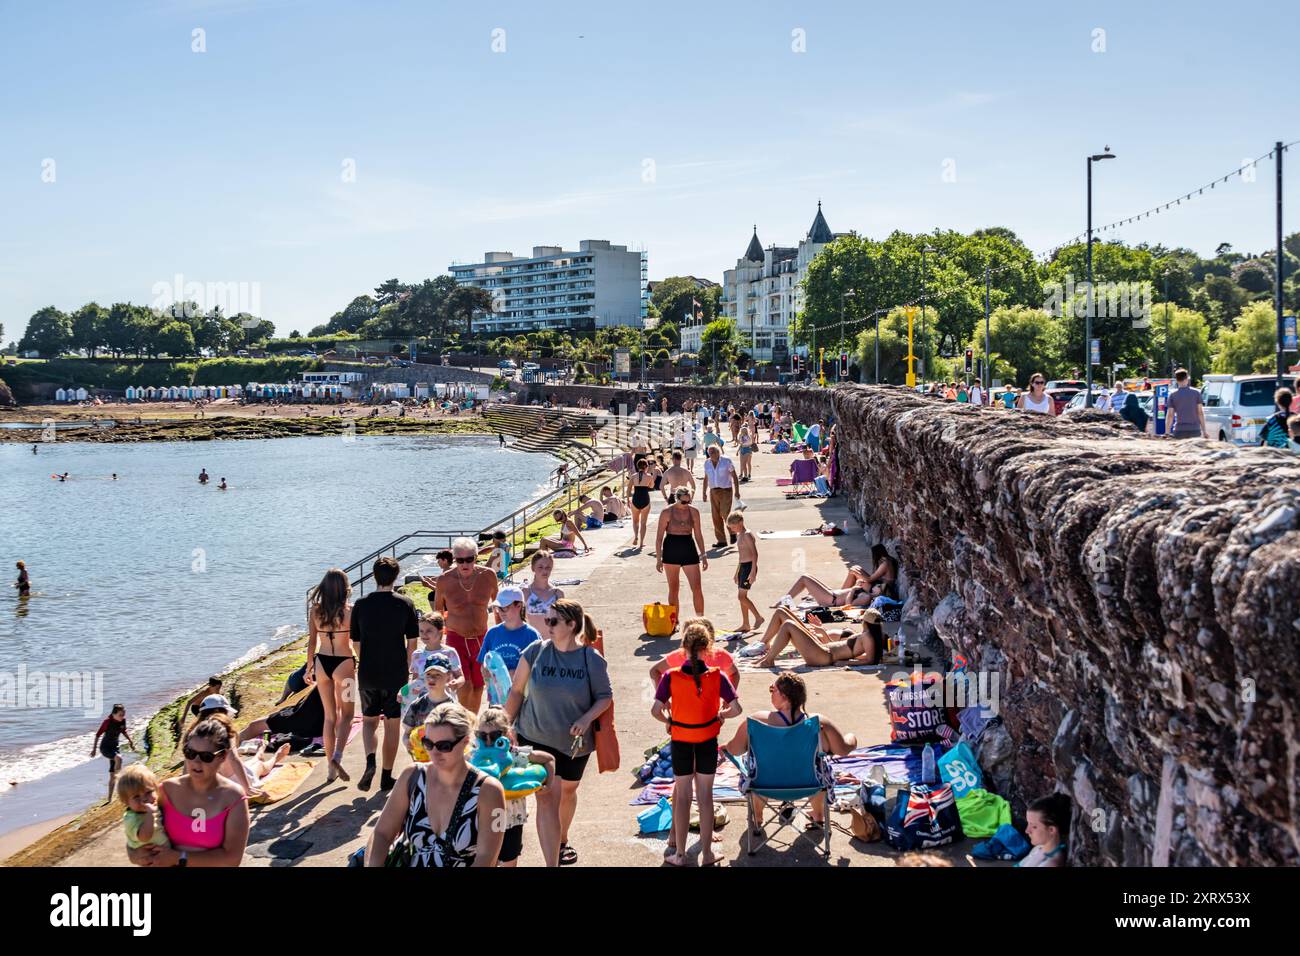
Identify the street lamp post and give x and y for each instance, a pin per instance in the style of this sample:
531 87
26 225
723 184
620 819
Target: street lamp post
925 365
1087 335
877 346
986 379
1166 275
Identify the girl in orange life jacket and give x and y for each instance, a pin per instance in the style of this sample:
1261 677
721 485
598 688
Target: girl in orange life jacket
700 697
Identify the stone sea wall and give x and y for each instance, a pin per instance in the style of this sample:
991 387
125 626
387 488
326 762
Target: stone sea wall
1139 600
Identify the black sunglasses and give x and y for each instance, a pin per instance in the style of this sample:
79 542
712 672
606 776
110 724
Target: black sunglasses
442 746
207 756
491 736
465 560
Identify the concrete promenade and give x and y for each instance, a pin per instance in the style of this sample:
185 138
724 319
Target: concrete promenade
321 824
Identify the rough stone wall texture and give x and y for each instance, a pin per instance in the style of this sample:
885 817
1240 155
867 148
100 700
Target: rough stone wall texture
1139 600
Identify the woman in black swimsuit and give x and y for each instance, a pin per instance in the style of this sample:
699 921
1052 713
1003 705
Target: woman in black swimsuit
679 546
641 486
330 663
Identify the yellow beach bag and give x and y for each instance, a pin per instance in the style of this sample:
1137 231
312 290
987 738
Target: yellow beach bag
660 620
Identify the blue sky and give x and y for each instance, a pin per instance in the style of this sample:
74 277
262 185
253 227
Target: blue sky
227 165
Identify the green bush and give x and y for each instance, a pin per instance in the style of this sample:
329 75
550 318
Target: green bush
235 371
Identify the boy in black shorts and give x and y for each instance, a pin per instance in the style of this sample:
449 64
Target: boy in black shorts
385 627
747 572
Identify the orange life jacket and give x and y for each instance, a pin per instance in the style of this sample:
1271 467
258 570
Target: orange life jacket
695 712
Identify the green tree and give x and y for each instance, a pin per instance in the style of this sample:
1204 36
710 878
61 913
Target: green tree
49 333
1187 344
719 345
176 339
88 328
423 309
463 302
1250 345
893 347
388 291
1020 343
673 295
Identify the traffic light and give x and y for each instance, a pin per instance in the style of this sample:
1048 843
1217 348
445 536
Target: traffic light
970 360
794 365
844 365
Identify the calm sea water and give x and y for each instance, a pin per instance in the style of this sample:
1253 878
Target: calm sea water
155 581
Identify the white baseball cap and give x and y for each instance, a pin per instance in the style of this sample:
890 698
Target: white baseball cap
217 702
508 596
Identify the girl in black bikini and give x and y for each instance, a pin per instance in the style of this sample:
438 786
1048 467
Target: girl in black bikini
330 663
679 546
641 486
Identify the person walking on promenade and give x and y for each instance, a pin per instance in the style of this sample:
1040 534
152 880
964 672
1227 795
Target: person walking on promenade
204 814
1186 413
384 627
693 700
560 688
720 480
642 485
540 595
331 664
679 546
447 811
1036 399
676 476
464 601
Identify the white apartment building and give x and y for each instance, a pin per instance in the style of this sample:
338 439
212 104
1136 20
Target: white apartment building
598 286
764 293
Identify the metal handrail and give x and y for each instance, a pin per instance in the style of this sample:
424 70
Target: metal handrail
518 519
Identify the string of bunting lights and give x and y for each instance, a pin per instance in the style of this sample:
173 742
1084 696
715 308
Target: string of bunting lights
1047 256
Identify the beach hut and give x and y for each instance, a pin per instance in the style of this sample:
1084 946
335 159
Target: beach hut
173 393
82 394
130 392
61 395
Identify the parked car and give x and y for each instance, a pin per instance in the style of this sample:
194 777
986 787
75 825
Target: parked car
1061 397
507 365
1237 405
1076 403
241 354
1067 383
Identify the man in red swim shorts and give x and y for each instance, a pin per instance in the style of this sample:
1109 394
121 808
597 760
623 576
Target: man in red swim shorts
463 596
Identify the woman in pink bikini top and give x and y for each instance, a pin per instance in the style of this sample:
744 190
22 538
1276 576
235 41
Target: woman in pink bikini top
204 814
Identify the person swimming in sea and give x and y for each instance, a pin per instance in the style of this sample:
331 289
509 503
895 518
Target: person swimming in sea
222 486
203 476
24 582
33 449
62 477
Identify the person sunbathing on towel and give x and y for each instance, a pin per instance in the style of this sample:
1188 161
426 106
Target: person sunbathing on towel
564 542
821 646
789 694
857 587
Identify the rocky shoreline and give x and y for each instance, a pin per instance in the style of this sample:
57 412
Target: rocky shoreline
230 427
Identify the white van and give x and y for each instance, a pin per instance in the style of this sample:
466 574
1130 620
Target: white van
1237 405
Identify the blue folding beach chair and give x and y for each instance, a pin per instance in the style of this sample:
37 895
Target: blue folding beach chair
785 766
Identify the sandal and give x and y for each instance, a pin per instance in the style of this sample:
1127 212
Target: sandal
568 855
812 825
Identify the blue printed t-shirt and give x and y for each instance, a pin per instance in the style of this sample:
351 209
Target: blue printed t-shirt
508 643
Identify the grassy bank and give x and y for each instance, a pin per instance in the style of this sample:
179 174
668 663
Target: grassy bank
253 688
119 373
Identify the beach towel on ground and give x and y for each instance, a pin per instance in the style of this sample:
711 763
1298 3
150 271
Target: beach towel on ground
282 782
982 813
